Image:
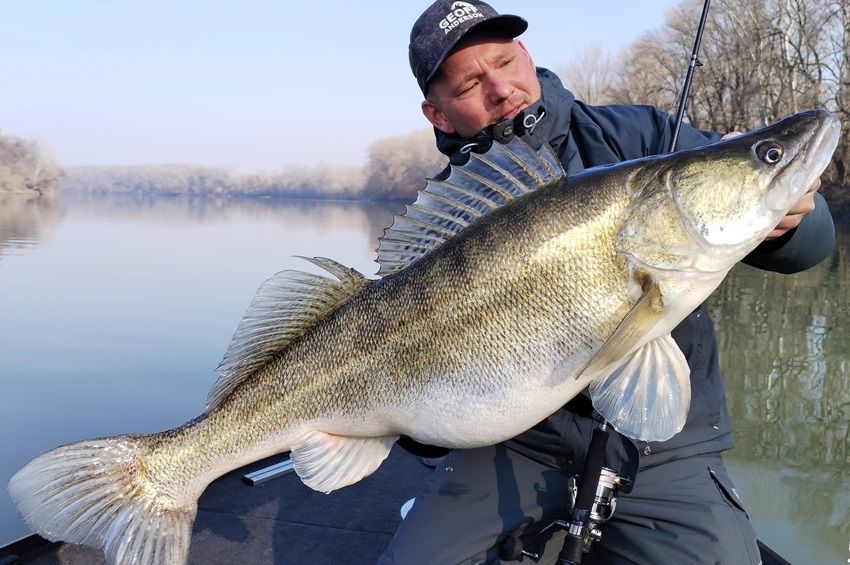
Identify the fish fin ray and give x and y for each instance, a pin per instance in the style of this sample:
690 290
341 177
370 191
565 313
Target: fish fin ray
444 209
326 462
647 397
637 323
87 493
284 306
527 168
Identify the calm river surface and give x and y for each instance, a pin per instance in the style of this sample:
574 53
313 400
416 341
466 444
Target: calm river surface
114 314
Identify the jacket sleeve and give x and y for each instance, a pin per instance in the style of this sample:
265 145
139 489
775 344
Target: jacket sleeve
688 136
635 130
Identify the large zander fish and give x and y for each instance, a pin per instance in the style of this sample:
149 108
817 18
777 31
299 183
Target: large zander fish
507 291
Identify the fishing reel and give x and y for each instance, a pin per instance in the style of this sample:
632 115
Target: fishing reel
593 500
582 529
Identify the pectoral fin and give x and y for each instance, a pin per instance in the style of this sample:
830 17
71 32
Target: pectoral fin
643 316
648 396
327 462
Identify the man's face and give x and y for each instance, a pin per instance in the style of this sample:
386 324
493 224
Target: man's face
484 81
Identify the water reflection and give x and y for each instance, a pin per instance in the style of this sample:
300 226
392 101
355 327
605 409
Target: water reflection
371 217
785 343
116 323
785 350
25 220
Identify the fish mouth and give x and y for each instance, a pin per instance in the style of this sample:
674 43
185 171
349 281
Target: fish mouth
811 159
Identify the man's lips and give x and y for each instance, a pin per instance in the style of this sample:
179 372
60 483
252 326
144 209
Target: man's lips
512 113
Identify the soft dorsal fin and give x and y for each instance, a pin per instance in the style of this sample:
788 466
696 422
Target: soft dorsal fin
445 208
285 305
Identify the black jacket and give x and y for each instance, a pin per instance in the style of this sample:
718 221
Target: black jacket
585 136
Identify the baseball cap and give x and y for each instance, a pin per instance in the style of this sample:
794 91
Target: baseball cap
444 24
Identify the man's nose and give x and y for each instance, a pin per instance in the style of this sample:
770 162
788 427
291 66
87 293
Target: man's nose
499 88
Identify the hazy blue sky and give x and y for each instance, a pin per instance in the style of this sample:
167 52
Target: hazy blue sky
254 85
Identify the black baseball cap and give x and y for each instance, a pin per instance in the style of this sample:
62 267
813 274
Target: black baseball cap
444 24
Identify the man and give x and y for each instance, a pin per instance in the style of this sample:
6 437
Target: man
480 83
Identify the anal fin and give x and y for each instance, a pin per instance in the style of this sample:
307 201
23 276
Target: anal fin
648 396
327 462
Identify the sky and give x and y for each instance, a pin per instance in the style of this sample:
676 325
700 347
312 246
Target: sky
254 85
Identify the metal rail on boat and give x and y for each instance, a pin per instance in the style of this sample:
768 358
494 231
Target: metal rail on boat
265 474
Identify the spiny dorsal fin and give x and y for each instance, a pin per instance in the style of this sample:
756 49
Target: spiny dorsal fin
285 306
444 209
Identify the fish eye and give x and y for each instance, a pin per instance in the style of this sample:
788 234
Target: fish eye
769 152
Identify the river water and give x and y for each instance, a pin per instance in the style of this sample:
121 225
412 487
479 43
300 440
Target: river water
115 312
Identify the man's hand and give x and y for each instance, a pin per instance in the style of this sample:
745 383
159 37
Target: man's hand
798 211
795 215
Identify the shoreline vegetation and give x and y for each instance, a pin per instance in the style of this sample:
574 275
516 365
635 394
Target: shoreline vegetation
395 170
26 167
329 184
803 62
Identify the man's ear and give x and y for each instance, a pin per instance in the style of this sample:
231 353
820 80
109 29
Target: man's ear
527 54
437 117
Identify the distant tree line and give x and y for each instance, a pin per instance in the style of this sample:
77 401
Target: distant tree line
763 60
26 167
396 168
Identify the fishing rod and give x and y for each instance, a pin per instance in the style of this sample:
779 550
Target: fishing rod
686 88
595 501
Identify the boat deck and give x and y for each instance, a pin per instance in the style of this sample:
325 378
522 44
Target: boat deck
282 521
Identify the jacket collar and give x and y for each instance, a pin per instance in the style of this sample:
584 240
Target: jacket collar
548 119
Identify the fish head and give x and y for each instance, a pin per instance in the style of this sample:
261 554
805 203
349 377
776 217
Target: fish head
704 209
734 192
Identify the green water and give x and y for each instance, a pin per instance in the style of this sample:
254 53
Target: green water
785 353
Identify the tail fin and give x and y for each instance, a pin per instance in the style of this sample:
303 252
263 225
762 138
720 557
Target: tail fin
95 493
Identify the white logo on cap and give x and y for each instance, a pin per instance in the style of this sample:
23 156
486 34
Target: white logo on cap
460 12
